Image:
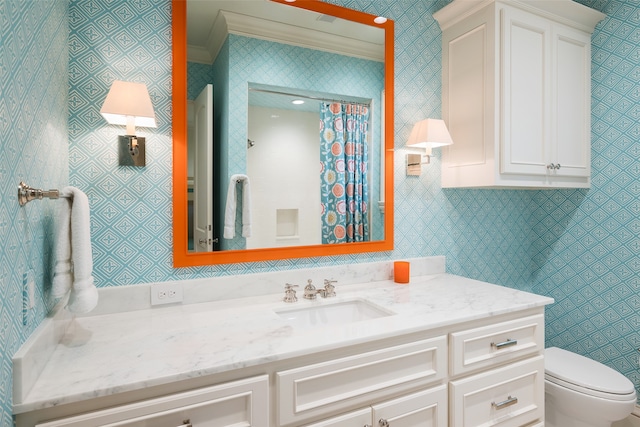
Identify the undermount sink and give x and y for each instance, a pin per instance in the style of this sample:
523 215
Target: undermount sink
333 313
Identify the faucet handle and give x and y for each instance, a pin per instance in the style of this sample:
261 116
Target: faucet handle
329 288
328 282
290 293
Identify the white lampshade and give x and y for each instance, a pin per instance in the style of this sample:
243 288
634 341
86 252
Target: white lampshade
429 133
129 104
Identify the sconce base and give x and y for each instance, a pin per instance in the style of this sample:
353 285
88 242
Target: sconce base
125 155
414 163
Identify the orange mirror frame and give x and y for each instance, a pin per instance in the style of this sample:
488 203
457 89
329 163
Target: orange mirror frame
181 256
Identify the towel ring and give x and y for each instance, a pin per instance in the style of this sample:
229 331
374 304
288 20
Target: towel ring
27 194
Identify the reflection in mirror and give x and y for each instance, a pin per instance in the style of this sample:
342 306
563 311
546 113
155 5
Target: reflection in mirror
230 91
299 202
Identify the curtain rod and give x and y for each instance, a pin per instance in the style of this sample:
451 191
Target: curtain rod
275 92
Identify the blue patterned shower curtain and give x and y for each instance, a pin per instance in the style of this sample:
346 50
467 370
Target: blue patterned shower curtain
343 161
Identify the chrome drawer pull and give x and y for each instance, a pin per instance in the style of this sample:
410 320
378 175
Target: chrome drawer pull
186 423
508 343
510 401
383 423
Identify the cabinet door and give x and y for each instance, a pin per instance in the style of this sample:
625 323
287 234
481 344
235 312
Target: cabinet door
572 109
525 92
424 409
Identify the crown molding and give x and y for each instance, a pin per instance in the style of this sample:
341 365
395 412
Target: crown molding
234 23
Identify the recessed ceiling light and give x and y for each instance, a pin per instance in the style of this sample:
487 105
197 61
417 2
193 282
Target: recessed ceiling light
297 102
380 20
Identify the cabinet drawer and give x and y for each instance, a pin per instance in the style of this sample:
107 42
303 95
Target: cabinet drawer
339 383
511 396
352 419
423 409
243 402
491 345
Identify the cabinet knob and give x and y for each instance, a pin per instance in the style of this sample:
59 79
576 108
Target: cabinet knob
186 423
551 166
558 166
383 423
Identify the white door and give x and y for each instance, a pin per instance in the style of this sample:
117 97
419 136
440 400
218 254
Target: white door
526 92
572 68
203 171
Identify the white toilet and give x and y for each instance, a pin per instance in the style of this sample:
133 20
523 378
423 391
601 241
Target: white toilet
580 392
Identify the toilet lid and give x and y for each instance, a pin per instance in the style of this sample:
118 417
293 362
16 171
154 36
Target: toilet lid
585 375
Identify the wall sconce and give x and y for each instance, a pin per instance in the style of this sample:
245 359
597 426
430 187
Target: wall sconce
128 104
427 134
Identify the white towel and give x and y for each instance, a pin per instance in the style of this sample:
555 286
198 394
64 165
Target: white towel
74 263
230 208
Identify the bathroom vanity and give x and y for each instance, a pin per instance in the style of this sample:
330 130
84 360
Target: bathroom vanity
441 351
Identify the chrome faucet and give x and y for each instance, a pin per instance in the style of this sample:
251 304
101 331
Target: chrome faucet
329 290
310 291
290 293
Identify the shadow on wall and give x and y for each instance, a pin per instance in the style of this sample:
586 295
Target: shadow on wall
506 236
553 213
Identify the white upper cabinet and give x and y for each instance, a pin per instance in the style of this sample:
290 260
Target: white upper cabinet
517 93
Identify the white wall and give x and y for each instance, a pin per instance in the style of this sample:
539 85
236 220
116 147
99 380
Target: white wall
284 171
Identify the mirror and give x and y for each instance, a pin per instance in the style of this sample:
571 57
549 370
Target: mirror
182 256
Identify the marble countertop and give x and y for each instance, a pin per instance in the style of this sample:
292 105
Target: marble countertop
105 354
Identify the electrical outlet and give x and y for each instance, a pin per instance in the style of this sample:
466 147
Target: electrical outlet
166 293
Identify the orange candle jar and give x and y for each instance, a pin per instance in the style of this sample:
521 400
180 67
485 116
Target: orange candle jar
401 271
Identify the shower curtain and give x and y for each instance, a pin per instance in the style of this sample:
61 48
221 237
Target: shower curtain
343 162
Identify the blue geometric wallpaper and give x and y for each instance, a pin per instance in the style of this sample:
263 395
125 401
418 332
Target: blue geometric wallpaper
34 149
130 206
581 247
586 244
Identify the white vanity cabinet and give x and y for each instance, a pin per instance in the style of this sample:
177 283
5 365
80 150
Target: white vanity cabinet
484 372
517 93
456 352
492 374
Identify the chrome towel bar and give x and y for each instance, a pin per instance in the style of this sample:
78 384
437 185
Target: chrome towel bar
27 194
